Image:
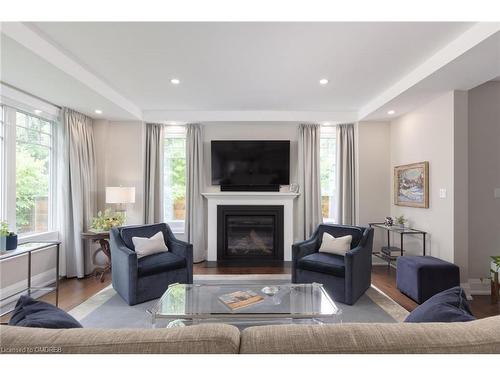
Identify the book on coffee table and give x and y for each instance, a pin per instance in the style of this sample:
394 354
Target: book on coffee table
240 299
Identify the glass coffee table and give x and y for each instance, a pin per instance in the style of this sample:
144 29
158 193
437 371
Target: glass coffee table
187 304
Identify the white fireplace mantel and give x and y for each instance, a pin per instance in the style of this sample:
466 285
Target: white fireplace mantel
284 199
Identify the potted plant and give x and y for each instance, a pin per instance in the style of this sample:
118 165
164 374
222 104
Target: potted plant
106 220
495 286
8 240
400 220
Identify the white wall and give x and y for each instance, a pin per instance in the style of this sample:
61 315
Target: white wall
484 177
426 134
120 162
374 176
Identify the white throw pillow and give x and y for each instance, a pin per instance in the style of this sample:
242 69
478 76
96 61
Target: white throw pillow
147 246
337 246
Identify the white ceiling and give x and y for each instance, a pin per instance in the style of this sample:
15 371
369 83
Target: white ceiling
223 67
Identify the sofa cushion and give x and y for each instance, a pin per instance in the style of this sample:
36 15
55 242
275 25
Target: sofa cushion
160 262
198 339
32 313
448 306
479 336
323 263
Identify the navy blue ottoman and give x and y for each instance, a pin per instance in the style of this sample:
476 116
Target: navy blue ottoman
421 277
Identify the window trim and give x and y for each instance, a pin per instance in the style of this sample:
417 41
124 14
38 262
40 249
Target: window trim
329 132
179 132
3 176
9 163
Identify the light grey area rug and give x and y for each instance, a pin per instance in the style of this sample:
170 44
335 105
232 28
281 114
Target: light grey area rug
107 309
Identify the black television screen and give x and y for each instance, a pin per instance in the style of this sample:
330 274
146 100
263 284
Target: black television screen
250 163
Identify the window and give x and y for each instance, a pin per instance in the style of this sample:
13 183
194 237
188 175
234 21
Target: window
328 173
2 167
174 177
34 144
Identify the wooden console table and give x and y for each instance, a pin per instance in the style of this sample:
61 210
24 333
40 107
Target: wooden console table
27 249
102 238
390 250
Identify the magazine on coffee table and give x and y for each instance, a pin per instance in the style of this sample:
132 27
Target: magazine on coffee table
240 299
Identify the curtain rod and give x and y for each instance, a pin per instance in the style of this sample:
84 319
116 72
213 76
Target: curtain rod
30 94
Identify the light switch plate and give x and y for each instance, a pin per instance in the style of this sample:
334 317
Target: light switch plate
497 193
442 193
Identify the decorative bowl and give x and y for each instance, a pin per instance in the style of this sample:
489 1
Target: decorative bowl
270 290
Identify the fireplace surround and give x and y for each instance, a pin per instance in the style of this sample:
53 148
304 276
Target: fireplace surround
227 198
249 234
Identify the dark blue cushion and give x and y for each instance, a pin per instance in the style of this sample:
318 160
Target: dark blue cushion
447 306
159 262
324 263
32 313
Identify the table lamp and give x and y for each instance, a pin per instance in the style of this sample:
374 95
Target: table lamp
120 196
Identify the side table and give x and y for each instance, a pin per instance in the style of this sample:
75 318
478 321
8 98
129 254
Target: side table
101 238
390 253
27 249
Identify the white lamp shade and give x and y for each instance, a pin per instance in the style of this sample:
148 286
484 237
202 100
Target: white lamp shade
118 194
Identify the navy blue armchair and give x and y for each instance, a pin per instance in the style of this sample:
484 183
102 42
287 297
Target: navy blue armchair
147 278
344 278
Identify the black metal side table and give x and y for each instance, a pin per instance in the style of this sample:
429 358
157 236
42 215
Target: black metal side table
27 249
390 253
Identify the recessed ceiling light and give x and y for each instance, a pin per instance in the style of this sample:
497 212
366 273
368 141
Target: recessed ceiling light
175 81
98 111
323 81
38 111
391 112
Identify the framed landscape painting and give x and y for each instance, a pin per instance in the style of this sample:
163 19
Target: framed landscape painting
411 185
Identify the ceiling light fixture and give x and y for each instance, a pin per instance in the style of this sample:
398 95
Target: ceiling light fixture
323 81
38 111
98 111
175 81
391 112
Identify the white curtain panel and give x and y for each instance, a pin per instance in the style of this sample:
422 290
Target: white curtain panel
309 201
153 202
346 173
195 211
77 188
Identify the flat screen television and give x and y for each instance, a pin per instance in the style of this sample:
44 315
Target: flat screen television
250 163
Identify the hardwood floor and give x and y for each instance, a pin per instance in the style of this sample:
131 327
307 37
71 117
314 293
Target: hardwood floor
75 291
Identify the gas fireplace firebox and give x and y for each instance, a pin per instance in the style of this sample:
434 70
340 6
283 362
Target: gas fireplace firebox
249 235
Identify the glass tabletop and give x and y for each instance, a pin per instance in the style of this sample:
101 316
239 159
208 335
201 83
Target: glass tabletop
397 229
198 301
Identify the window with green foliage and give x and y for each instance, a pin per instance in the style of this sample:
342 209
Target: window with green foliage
34 142
328 173
174 177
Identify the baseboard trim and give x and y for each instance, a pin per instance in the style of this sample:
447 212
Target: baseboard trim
42 279
480 287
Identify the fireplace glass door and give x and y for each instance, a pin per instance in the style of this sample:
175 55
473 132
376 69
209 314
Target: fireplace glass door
250 233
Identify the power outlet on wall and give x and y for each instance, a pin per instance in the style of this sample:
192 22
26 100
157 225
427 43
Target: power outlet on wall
497 193
442 193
